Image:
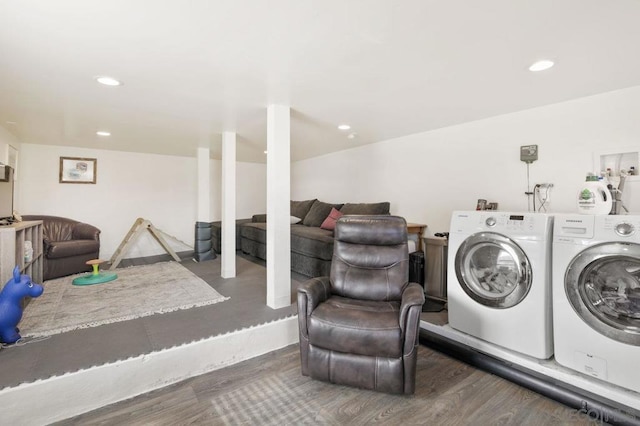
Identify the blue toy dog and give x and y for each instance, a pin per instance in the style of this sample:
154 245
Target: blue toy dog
10 310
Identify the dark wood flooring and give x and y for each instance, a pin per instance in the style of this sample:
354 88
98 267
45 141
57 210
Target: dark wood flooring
270 390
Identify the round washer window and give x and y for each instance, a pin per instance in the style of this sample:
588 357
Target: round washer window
493 270
602 284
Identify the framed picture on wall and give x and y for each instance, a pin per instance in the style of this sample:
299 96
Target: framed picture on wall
78 170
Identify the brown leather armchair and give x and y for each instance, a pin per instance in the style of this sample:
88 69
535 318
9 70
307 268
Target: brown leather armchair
68 244
359 327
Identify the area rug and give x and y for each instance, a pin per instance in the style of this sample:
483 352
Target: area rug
139 291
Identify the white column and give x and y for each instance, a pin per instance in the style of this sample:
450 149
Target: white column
204 185
228 257
278 206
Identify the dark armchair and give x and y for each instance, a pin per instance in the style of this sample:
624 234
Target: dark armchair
359 327
68 244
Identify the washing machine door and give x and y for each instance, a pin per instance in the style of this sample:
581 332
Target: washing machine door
493 270
602 284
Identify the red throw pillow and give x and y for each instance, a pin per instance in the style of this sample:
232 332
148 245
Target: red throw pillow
330 222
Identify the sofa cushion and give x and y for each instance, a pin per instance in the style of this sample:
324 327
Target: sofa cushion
301 208
366 208
318 213
330 222
216 234
60 249
312 241
307 241
254 231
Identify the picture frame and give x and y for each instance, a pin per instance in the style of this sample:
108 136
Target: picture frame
78 170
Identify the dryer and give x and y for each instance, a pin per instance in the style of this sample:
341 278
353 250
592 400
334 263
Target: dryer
596 296
499 279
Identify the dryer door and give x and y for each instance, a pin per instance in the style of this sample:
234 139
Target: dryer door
602 284
493 270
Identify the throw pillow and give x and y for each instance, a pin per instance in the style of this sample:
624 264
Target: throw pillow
295 220
366 208
300 208
318 213
330 222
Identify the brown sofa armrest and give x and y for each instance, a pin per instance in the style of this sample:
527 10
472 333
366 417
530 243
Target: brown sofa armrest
84 231
310 294
259 218
413 295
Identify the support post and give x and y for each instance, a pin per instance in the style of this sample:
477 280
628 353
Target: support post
202 244
204 185
278 207
228 257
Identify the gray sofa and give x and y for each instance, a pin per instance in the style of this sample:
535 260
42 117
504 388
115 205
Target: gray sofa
311 245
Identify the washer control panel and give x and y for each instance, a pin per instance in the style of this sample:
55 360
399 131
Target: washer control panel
619 226
625 229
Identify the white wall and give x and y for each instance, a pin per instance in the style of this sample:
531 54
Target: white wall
6 139
159 188
426 176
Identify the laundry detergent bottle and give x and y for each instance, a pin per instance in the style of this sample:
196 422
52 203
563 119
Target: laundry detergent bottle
594 197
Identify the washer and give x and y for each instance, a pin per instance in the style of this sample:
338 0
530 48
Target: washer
596 296
499 272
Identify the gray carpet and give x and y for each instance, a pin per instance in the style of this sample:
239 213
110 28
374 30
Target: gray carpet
84 348
139 291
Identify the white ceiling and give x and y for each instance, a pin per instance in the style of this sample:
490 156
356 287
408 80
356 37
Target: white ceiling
193 69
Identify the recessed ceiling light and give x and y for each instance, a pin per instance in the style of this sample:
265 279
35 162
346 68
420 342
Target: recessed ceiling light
541 65
265 151
344 127
103 133
352 135
108 81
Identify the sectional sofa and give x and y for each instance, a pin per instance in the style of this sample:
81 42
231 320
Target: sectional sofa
312 223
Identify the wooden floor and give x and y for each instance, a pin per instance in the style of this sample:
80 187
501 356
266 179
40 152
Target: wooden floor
269 390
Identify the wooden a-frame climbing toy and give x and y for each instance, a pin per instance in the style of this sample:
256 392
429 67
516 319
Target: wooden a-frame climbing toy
138 228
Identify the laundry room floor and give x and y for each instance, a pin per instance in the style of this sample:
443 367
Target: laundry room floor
436 318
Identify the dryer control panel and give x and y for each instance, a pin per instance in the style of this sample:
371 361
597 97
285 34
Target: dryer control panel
529 225
508 222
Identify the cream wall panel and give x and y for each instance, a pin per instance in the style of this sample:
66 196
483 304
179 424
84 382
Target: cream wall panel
159 188
428 175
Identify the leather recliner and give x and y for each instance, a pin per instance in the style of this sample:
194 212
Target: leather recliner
359 326
68 244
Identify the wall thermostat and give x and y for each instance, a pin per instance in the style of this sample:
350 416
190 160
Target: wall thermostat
529 153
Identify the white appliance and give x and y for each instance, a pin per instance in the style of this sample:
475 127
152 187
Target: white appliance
596 296
499 279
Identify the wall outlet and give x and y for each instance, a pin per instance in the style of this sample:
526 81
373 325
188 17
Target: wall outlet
529 153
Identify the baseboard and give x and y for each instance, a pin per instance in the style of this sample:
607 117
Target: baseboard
61 397
147 260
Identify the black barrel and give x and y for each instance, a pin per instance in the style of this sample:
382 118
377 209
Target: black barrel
416 267
203 244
